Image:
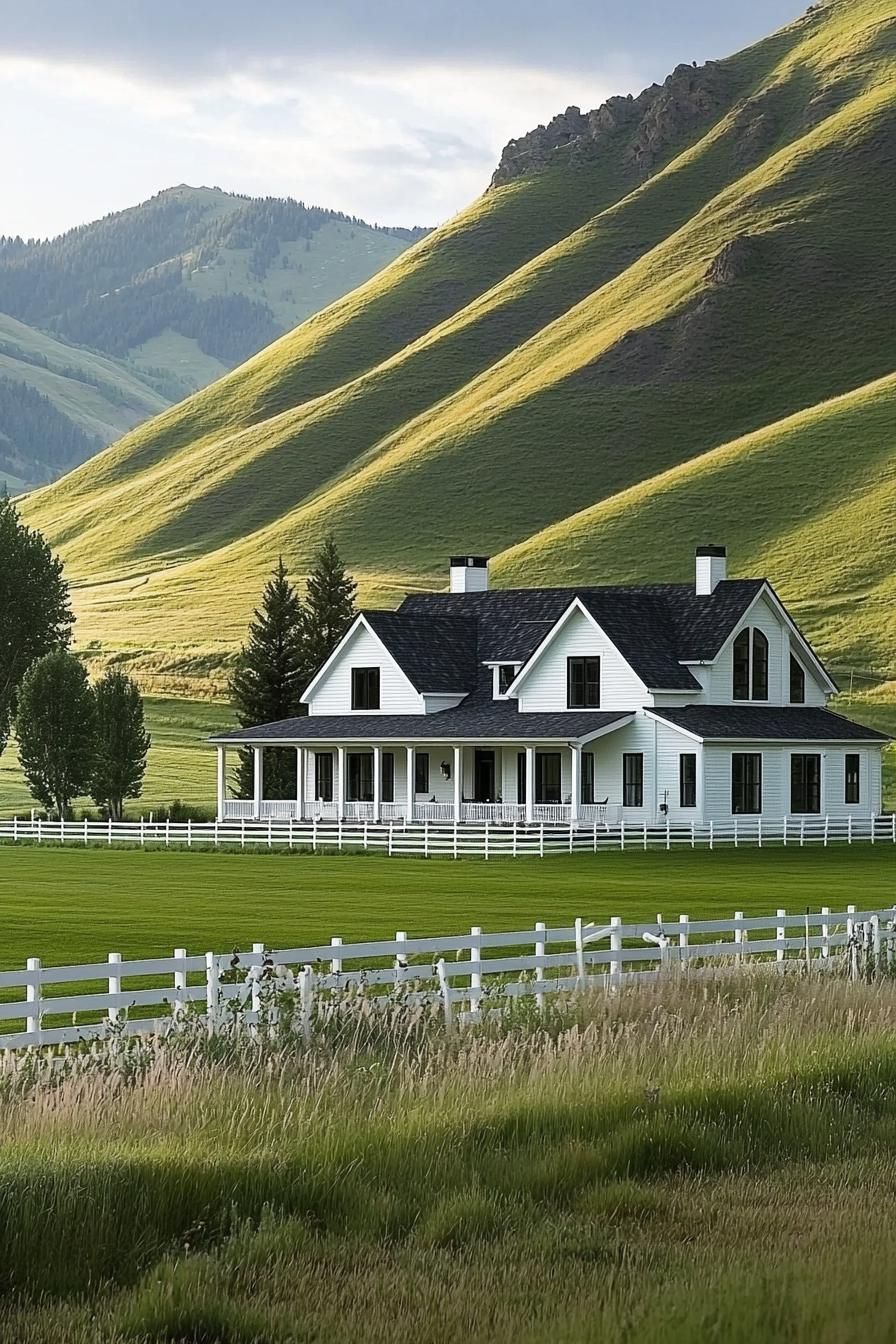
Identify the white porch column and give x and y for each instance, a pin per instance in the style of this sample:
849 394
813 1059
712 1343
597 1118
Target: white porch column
410 783
458 780
701 783
257 777
530 784
300 782
340 782
222 781
576 793
377 783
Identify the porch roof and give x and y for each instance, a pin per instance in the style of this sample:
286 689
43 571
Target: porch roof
499 721
767 723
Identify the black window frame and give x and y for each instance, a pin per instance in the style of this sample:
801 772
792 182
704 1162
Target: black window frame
746 781
359 776
365 688
583 682
797 681
323 776
588 777
687 779
387 777
633 779
541 784
759 666
740 671
852 778
805 787
421 772
506 676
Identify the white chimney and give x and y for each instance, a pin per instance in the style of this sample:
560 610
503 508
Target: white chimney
469 573
712 569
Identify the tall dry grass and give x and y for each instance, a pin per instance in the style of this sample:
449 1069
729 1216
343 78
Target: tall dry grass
672 1163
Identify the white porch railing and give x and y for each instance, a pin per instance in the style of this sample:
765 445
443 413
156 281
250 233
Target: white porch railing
357 811
552 813
393 811
279 810
500 812
238 809
433 811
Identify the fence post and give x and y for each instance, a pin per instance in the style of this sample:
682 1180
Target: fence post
825 932
306 989
425 838
874 826
212 991
401 960
39 832
875 942
784 832
110 830
580 955
290 832
780 935
668 832
738 936
594 843
570 837
62 830
539 966
693 835
486 837
179 1005
258 949
86 834
445 990
851 949
314 835
622 832
15 829
735 832
33 999
683 952
759 831
114 986
802 831
335 960
615 949
167 832
645 835
476 973
514 839
270 830
826 821
143 832
189 833
541 842
849 828
364 834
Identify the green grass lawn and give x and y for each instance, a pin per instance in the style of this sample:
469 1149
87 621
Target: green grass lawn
76 905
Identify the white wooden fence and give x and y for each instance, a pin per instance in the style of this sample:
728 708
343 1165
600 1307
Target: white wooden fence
465 840
465 974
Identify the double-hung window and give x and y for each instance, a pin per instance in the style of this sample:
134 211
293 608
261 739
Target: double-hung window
365 688
746 783
323 776
506 674
750 666
805 783
797 682
852 793
633 779
587 776
387 777
583 683
421 772
687 779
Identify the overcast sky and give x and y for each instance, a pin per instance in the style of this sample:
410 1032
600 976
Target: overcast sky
395 110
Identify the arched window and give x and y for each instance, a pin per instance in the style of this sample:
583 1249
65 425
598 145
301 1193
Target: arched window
750 675
742 666
760 666
797 682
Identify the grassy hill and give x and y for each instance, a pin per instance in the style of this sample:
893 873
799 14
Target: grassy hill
667 322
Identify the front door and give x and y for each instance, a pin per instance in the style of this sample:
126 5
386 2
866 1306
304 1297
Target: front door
484 777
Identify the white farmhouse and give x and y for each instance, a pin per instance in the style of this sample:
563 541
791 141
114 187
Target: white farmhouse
575 706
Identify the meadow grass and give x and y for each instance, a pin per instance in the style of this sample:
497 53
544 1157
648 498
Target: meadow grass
687 1162
75 905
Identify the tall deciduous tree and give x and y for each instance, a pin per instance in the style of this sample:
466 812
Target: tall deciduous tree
121 743
330 604
269 678
35 614
55 725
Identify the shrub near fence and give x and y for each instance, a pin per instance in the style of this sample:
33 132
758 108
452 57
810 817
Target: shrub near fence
467 840
462 974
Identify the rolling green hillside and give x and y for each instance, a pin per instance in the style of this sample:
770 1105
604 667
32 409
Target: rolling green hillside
669 321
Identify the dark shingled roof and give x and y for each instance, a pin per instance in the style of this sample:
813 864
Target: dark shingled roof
436 653
496 719
760 723
656 627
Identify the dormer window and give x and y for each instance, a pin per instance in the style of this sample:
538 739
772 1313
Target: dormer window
583 683
506 674
750 673
365 688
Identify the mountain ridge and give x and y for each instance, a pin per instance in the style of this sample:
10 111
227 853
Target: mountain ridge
578 332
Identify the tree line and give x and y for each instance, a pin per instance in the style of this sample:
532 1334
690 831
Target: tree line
73 738
36 439
78 739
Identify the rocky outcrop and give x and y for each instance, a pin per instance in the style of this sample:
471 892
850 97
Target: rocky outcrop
661 116
735 260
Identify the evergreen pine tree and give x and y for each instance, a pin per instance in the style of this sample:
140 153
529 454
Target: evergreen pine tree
271 673
330 604
55 725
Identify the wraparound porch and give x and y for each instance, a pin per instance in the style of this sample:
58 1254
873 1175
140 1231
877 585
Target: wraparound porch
503 784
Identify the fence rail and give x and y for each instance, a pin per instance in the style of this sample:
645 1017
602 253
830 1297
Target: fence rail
460 974
466 840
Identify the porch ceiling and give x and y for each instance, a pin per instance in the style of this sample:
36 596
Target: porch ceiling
483 724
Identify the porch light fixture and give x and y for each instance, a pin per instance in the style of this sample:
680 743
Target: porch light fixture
445 768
